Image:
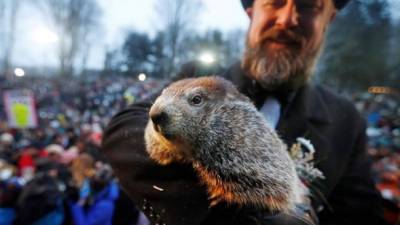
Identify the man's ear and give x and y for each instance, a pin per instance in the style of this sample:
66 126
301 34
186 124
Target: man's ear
249 12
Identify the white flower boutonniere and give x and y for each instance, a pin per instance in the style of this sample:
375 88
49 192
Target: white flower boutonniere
302 153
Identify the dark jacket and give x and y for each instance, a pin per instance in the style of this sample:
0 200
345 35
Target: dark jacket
337 131
172 194
41 201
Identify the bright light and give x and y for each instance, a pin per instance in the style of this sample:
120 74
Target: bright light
142 77
19 72
43 35
207 58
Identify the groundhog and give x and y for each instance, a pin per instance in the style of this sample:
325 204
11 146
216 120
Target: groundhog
206 122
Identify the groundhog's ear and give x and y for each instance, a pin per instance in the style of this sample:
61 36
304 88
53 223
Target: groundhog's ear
231 92
234 95
237 97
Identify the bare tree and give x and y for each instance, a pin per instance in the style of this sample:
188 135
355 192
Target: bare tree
8 22
75 21
176 17
234 46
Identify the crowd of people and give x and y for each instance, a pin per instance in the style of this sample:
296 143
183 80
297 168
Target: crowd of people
54 174
382 113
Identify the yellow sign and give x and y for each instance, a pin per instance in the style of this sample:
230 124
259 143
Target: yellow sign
21 112
20 108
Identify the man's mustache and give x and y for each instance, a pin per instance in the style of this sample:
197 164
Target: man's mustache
282 36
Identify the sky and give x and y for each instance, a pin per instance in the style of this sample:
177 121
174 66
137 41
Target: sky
119 17
134 14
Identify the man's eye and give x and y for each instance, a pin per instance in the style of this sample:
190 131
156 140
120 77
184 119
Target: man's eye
196 100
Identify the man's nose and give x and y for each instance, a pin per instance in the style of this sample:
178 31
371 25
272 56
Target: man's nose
287 16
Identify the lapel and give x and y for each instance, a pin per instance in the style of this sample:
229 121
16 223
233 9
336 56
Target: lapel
304 116
308 116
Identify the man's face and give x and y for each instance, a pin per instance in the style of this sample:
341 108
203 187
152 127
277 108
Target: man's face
284 39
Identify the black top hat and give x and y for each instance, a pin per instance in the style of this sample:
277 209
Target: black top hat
338 3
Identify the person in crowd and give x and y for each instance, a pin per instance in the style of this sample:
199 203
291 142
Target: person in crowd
10 188
97 198
6 146
41 201
54 152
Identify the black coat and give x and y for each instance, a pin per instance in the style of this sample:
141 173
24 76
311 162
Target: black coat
172 194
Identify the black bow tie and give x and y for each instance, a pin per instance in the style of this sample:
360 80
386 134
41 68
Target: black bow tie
258 94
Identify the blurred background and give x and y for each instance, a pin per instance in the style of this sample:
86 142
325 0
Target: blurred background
68 66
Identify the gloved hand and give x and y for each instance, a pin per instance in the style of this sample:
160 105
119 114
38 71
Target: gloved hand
233 215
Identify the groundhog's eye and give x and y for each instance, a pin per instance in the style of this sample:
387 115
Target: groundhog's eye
196 100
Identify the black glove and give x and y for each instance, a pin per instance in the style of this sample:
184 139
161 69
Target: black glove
225 214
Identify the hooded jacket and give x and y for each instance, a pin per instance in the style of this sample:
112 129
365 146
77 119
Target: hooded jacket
101 211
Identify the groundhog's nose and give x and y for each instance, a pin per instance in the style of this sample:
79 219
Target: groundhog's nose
159 118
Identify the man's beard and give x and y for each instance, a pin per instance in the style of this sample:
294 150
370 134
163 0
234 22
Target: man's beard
285 68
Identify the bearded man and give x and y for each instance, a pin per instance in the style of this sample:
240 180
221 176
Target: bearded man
284 40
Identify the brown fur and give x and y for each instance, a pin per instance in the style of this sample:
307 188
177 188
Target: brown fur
236 155
225 191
